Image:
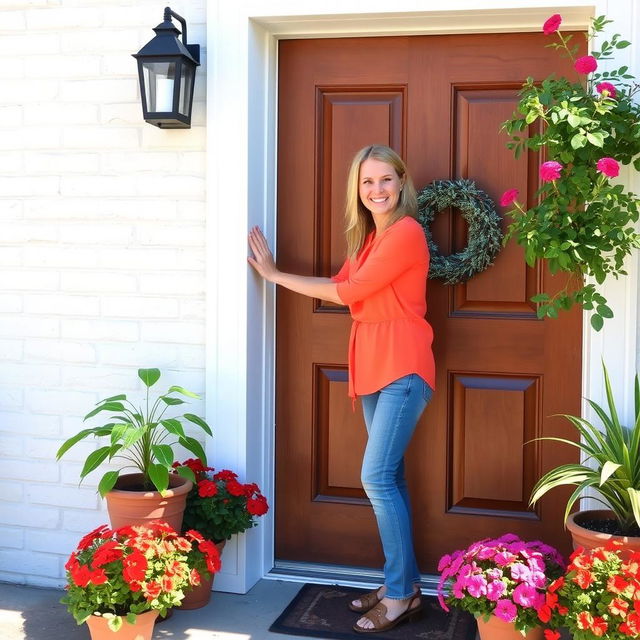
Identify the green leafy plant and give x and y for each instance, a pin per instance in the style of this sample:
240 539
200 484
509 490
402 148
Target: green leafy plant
218 505
124 572
139 434
611 464
581 223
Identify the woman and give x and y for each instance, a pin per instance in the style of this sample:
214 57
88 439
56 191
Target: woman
391 364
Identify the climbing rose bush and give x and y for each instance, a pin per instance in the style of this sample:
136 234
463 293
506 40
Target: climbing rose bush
506 577
127 571
597 597
585 127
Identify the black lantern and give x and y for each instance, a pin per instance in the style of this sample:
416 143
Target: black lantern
167 70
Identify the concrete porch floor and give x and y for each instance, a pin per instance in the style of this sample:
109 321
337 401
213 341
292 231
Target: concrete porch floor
32 613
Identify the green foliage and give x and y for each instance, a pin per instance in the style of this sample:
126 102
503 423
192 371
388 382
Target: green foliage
485 233
138 435
581 223
611 465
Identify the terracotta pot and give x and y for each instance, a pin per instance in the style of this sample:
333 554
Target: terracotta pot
141 630
127 505
591 539
199 596
497 629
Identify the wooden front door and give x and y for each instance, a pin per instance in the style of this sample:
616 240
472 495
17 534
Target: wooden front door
501 373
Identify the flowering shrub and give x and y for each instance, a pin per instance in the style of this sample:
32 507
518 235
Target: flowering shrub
598 597
582 224
505 577
132 570
218 505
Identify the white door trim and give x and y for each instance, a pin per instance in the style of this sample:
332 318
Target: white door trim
242 40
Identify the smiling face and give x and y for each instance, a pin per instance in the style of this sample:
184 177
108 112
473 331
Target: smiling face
379 188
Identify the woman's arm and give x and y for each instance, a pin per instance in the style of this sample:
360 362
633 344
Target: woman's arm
263 262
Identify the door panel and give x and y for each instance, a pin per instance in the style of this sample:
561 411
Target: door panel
439 101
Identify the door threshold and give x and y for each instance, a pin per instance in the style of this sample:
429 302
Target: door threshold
342 575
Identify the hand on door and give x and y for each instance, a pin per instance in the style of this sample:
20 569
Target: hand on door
262 260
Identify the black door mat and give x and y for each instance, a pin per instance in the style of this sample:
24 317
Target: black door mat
320 611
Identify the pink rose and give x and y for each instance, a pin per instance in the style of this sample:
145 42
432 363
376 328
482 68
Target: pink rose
586 64
552 24
506 610
606 89
508 197
550 171
608 166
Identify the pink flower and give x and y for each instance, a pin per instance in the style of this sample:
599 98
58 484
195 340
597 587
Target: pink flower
494 574
445 561
504 558
586 64
495 589
508 197
550 171
606 89
608 167
477 586
506 610
552 24
520 573
486 553
525 595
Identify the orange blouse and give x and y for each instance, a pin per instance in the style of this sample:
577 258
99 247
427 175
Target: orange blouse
385 288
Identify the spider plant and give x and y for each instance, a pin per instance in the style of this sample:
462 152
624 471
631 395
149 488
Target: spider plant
611 462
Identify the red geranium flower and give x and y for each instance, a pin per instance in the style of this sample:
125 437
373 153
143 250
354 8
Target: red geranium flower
508 197
207 488
551 635
257 506
225 475
235 488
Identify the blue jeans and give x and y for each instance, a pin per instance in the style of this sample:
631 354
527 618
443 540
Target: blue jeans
391 415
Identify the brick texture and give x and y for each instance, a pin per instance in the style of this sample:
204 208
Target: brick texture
102 232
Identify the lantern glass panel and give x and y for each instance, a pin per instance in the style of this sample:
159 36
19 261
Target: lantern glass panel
186 85
159 81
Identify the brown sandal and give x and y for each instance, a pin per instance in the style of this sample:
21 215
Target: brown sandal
368 600
378 617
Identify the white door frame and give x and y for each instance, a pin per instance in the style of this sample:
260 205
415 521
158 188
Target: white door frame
241 185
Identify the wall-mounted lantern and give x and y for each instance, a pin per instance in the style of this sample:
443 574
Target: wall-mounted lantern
167 70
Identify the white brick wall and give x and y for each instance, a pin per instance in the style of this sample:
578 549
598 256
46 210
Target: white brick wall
101 255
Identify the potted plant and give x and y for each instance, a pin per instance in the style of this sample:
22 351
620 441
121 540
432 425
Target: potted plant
611 466
597 597
218 506
502 582
118 581
580 222
138 435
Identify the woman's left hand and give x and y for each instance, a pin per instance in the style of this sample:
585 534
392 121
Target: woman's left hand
262 260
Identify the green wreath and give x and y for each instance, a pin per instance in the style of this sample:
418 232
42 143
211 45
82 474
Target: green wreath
485 234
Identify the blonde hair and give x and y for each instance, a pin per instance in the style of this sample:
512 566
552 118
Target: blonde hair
359 221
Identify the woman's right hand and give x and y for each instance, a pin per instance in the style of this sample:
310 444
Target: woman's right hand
262 260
